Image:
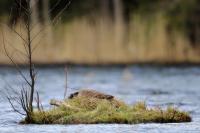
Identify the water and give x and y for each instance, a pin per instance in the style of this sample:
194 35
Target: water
158 86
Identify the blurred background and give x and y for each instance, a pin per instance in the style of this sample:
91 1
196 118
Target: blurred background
98 32
106 32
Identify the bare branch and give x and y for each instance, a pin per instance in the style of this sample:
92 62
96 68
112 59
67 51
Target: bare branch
38 102
12 29
38 33
24 98
21 6
13 107
62 10
57 3
19 35
66 79
11 59
36 45
16 48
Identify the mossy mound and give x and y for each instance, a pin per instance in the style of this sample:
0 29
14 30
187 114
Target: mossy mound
83 110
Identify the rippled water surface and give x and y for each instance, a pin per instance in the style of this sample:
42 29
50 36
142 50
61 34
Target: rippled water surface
158 86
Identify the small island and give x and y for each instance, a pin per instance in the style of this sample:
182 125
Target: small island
92 107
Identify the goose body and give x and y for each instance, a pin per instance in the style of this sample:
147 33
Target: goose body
92 94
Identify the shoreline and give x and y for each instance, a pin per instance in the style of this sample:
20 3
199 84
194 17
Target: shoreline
119 65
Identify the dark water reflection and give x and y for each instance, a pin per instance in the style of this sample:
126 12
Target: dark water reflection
158 86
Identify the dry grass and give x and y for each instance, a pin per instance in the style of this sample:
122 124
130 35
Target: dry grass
101 41
94 111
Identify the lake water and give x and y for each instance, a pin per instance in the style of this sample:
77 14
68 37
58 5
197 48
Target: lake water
158 86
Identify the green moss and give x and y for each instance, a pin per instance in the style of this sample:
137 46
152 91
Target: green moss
93 111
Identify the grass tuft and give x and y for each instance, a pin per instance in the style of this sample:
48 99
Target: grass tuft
94 111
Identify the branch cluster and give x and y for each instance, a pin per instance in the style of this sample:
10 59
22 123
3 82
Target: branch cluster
22 101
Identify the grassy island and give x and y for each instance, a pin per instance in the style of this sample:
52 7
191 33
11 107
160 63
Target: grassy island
91 110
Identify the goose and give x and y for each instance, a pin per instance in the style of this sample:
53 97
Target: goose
92 94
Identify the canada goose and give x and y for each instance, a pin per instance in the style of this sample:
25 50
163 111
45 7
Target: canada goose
91 93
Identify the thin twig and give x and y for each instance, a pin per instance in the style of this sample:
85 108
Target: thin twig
60 13
13 107
16 66
66 84
21 6
57 3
